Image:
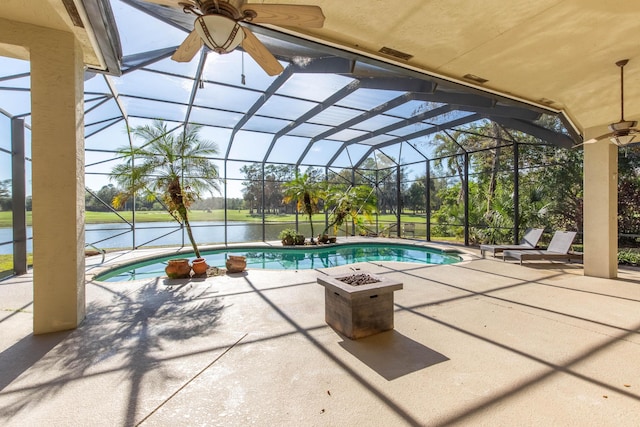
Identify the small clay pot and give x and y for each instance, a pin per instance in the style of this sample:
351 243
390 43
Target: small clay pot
178 268
236 264
199 266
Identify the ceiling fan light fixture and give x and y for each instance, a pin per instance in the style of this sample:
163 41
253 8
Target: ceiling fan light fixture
622 140
219 33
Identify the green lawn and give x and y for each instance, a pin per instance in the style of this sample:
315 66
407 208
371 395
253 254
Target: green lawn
213 215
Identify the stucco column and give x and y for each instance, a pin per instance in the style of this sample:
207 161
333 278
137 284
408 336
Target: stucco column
58 182
600 207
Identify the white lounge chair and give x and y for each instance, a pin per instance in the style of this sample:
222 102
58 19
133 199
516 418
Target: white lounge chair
558 249
529 241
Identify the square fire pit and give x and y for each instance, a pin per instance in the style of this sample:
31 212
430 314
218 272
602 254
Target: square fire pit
358 305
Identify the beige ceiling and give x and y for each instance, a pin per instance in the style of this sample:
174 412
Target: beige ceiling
545 50
561 53
49 14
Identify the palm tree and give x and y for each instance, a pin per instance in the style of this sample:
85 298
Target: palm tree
306 191
172 164
353 202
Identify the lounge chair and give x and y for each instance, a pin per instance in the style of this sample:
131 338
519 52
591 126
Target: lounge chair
558 249
529 241
409 227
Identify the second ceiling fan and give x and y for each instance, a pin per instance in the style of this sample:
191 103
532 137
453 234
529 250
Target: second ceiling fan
217 24
624 131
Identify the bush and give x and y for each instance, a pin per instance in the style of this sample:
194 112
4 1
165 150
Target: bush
288 236
628 257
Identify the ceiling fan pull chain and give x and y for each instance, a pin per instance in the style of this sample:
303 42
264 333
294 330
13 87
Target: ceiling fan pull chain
243 79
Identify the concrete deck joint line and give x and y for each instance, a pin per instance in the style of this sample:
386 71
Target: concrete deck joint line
190 381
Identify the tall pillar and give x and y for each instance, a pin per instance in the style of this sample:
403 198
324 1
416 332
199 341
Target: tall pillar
58 182
18 197
600 207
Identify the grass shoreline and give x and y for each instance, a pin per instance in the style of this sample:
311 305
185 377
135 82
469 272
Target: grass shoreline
199 215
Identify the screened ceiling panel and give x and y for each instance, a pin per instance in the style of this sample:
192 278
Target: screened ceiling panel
313 86
11 67
97 128
378 139
5 132
17 103
287 149
169 66
309 130
110 137
286 108
162 87
144 108
92 101
335 116
106 111
412 108
347 134
367 99
251 146
376 122
393 152
100 162
410 154
265 124
343 160
321 152
448 117
410 129
350 155
17 82
219 136
96 84
225 97
211 117
440 145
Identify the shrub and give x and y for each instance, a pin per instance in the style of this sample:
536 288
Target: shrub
628 257
288 236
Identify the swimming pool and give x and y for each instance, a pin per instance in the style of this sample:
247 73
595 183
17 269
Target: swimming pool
290 258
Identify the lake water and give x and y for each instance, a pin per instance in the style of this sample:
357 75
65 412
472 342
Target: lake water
169 234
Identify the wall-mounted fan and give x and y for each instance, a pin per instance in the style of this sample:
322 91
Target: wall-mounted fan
625 131
217 26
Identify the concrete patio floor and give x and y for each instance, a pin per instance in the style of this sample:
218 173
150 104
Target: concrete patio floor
482 342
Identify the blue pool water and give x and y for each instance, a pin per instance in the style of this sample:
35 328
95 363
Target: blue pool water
291 258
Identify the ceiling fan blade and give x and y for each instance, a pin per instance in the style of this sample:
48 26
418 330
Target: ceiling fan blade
593 140
260 53
286 15
188 49
171 3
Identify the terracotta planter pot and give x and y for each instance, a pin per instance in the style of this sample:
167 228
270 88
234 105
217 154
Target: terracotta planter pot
199 266
287 241
236 264
178 268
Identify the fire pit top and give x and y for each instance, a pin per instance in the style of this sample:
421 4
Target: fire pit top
358 279
366 284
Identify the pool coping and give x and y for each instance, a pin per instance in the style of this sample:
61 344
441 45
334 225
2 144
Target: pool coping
96 265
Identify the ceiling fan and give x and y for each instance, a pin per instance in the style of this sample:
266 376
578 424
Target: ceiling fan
623 132
217 25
